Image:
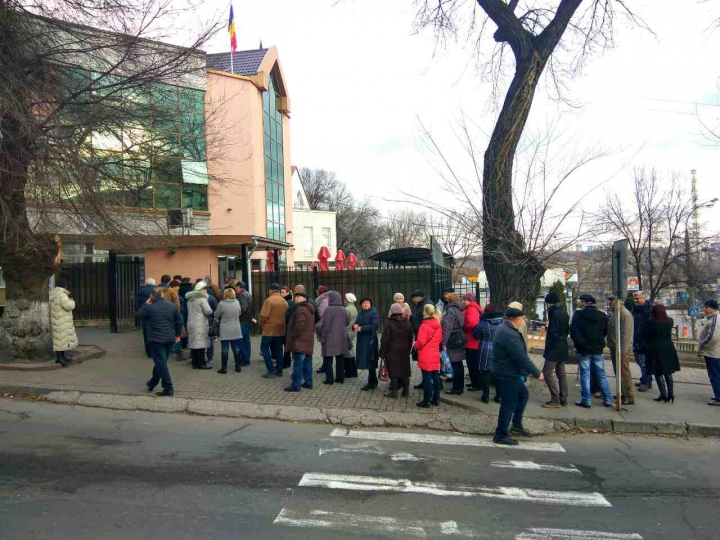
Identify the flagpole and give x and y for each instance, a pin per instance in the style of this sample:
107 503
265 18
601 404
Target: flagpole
232 67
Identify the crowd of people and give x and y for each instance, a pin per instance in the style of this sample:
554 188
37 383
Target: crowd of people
443 338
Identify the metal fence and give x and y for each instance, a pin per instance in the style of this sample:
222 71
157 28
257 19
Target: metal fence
378 284
104 290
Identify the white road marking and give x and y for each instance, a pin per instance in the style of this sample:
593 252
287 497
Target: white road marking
370 483
373 450
569 534
405 457
532 466
442 439
377 524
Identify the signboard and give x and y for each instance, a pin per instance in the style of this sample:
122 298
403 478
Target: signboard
633 283
437 252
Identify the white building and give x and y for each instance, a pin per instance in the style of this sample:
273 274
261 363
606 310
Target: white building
313 229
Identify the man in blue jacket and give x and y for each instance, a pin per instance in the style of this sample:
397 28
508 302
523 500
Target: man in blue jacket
641 316
511 366
163 323
142 297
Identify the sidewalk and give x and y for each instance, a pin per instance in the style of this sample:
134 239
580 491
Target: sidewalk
124 370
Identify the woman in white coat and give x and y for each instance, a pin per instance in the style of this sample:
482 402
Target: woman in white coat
199 310
61 321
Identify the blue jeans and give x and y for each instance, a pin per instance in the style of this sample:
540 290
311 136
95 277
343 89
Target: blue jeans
271 348
596 362
431 386
160 353
302 369
210 351
233 344
641 361
713 369
513 399
245 350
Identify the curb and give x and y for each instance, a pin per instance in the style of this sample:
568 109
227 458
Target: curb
89 352
468 424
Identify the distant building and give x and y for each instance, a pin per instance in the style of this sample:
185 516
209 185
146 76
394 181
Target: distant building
312 228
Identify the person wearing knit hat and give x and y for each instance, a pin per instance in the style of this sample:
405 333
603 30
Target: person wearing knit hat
199 309
350 365
299 288
272 323
399 298
556 352
471 318
395 347
366 351
322 301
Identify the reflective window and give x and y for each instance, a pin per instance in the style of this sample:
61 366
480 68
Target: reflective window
274 162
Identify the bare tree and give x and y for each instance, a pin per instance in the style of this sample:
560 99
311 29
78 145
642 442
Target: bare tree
85 116
656 223
406 228
360 230
455 239
533 32
324 191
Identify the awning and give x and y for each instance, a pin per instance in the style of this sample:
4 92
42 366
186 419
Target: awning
138 243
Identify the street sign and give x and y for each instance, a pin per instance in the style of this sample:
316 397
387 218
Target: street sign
619 268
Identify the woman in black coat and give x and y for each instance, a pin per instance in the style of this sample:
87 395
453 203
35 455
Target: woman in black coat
395 347
366 349
662 359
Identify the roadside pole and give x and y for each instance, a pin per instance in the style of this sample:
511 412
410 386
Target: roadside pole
619 278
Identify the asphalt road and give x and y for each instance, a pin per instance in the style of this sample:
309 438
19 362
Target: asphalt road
84 473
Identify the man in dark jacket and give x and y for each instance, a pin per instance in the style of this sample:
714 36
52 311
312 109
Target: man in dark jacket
556 352
300 341
246 320
511 366
419 302
163 322
140 300
588 332
641 316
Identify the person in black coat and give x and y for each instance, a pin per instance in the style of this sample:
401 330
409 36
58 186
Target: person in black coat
163 322
588 331
395 346
511 365
556 352
140 300
366 348
662 358
641 316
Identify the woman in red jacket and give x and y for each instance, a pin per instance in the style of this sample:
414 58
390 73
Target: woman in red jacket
428 347
472 354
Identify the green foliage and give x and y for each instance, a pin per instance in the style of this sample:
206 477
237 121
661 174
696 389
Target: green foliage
559 289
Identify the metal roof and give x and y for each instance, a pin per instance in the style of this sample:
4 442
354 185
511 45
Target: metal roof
244 63
409 256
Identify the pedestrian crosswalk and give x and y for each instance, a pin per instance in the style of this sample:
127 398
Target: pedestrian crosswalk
368 444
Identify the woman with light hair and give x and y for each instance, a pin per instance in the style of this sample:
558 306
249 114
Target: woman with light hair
198 325
228 315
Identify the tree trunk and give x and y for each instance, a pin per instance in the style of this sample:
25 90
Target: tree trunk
513 274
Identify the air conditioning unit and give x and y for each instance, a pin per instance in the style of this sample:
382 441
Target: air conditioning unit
180 218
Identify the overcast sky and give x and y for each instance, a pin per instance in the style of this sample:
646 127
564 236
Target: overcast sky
361 81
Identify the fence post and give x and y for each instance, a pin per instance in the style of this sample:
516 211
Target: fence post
477 292
316 279
112 291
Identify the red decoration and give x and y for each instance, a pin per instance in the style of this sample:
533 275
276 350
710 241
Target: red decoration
340 260
352 261
270 261
323 256
362 264
313 265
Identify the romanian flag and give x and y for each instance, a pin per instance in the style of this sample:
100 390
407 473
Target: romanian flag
231 30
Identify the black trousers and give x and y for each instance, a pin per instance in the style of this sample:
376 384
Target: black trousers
197 356
339 368
487 378
458 376
472 358
350 367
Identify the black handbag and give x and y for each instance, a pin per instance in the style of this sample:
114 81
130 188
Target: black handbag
214 330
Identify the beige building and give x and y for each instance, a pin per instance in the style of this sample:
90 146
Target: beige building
315 228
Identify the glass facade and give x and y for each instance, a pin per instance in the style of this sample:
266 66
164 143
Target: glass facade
274 169
150 151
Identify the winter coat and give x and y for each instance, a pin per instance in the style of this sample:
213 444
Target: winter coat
321 303
428 341
452 322
710 337
417 317
185 287
171 295
162 321
272 316
588 331
395 346
246 312
214 290
197 324
61 320
332 328
662 358
558 328
291 307
510 358
641 316
143 295
228 315
366 353
300 335
471 318
627 325
352 318
406 312
489 323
